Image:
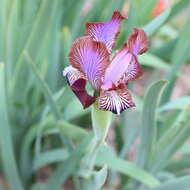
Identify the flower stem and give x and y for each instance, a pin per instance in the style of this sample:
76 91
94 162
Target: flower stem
101 121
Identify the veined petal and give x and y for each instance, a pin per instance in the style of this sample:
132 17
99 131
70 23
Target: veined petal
106 32
133 72
90 58
73 75
137 42
117 68
123 68
77 82
115 101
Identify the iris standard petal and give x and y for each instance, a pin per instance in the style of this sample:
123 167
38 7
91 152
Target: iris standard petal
117 68
133 71
77 82
106 32
90 58
137 42
115 101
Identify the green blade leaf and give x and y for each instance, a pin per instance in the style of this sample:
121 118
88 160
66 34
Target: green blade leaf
153 61
6 146
177 166
49 157
172 140
34 42
182 183
156 23
179 57
148 132
44 87
178 7
96 180
106 157
180 103
68 167
146 8
2 28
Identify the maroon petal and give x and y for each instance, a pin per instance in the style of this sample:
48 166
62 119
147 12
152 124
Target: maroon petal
90 58
85 99
115 101
106 32
77 82
137 42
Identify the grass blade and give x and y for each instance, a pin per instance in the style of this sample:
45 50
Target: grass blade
35 41
105 157
179 57
49 157
7 153
178 7
149 129
182 183
44 87
172 140
97 180
153 61
180 103
156 23
68 167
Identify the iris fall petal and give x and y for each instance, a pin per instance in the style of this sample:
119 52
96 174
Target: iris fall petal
77 82
115 101
90 58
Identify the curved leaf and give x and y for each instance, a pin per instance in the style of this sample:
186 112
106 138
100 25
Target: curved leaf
148 131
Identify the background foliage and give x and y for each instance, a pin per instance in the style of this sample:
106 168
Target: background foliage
45 133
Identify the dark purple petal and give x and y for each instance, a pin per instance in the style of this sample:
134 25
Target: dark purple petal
115 101
77 82
90 58
106 32
137 42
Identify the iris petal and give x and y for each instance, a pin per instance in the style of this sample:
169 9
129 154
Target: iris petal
106 32
133 71
77 82
137 42
124 66
118 67
90 58
115 101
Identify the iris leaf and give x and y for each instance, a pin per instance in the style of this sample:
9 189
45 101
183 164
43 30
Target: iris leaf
156 23
181 183
6 143
148 132
69 166
179 57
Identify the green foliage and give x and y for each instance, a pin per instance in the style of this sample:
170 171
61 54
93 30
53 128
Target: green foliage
43 127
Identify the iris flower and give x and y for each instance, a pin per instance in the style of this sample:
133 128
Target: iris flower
91 60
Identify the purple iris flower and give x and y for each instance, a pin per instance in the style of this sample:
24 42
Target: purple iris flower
90 59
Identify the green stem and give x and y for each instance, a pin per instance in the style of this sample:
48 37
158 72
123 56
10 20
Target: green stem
101 121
